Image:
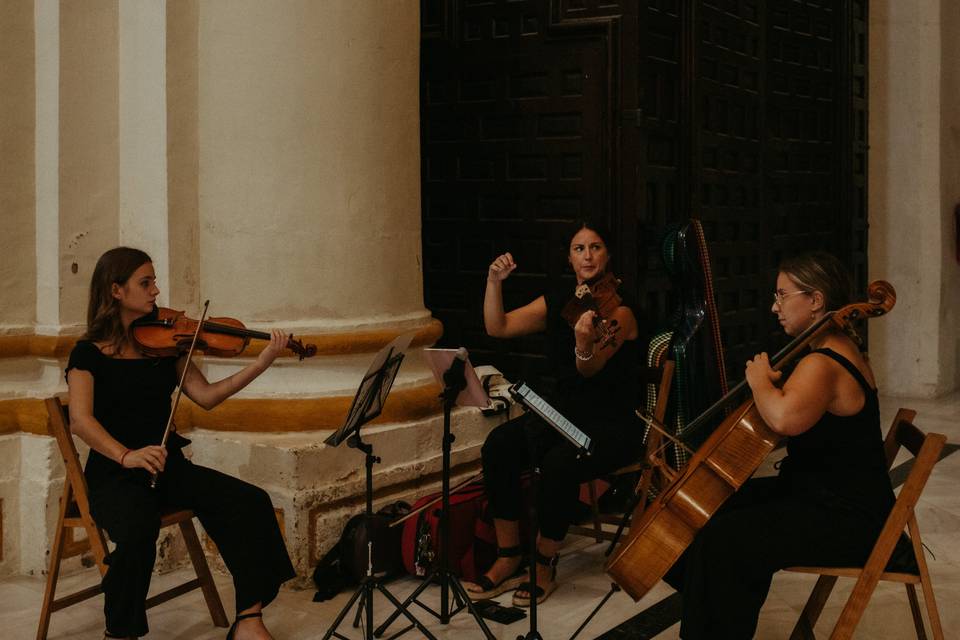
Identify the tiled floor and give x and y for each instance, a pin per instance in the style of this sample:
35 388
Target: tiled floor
295 617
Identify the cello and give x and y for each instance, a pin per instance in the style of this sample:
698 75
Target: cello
726 460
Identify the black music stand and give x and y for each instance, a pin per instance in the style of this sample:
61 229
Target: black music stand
581 441
367 405
457 377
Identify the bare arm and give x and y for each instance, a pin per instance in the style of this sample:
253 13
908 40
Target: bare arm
209 394
86 427
801 402
586 340
524 320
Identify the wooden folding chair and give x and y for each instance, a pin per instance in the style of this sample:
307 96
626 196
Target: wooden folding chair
653 469
75 514
879 566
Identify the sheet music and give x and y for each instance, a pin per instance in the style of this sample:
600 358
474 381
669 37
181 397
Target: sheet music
543 408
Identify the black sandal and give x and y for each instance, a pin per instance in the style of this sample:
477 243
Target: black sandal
243 616
491 589
541 592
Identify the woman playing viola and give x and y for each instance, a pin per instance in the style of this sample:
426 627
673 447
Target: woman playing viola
832 495
119 405
595 389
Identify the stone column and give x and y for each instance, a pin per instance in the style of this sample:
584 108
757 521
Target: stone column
266 155
295 203
914 161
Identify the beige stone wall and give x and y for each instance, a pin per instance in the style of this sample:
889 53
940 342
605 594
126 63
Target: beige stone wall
913 189
17 206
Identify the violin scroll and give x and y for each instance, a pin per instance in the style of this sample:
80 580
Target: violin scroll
303 351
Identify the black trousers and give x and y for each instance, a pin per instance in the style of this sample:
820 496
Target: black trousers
725 574
506 454
237 515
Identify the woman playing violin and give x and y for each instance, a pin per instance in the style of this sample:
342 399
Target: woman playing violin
119 405
595 390
832 495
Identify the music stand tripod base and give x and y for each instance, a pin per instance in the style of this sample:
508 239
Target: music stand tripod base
454 381
367 404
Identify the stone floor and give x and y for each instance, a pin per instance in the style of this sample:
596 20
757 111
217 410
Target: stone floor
295 617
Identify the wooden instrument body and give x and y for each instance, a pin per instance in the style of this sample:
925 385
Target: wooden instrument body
728 458
669 524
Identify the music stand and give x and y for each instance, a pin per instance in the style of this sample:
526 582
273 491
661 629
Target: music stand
581 441
452 369
367 405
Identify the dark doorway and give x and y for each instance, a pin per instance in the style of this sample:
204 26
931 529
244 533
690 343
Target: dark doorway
747 114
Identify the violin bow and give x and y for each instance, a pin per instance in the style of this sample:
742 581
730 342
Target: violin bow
183 376
474 478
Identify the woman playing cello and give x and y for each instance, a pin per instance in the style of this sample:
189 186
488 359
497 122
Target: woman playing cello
832 495
595 390
119 405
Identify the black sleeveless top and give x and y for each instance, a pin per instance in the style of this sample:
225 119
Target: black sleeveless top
841 458
131 399
601 404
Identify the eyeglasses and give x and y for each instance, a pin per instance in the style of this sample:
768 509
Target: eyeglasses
778 296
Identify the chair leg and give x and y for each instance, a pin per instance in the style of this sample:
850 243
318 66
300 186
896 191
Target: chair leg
928 598
53 574
853 609
210 594
811 611
915 611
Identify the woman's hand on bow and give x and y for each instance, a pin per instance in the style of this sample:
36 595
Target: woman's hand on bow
152 458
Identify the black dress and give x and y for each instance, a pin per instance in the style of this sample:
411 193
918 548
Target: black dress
601 405
825 508
131 399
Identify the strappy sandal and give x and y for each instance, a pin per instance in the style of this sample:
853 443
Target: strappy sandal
542 593
244 616
492 589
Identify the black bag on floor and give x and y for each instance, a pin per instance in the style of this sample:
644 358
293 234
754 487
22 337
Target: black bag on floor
346 562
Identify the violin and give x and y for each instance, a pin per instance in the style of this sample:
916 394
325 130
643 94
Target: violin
168 332
600 296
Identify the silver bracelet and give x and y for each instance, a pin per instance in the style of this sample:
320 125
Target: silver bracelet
582 355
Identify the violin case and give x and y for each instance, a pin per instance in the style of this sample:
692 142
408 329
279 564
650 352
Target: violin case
473 542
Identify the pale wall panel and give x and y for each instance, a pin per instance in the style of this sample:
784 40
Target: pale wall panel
17 199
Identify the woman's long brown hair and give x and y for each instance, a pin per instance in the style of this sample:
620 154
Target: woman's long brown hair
103 310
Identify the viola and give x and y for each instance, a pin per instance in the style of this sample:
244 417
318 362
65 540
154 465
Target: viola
660 532
168 332
600 296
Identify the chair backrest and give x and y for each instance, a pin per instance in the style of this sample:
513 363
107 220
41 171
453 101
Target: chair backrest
75 487
662 378
926 449
59 426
